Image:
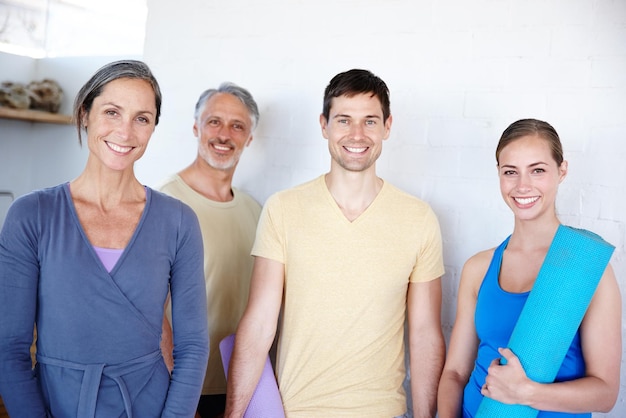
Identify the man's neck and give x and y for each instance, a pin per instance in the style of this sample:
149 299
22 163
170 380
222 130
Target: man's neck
353 191
213 184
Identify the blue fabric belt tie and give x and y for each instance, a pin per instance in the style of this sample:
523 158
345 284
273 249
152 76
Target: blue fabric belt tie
93 375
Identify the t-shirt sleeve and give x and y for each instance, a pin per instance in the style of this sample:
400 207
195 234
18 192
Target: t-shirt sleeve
429 263
270 235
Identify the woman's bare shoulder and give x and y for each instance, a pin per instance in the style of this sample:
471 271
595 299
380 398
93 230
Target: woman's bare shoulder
480 259
476 266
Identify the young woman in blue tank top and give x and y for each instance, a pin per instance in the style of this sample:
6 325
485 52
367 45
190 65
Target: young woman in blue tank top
496 283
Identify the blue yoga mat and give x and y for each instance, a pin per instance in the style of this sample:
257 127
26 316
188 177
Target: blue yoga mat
553 311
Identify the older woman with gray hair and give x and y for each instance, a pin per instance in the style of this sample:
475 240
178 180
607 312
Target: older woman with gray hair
89 263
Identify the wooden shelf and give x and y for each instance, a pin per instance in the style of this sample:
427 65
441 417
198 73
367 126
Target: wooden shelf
34 116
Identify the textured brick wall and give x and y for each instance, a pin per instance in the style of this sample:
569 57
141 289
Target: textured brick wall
459 73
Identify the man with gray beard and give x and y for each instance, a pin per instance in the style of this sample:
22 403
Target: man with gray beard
225 119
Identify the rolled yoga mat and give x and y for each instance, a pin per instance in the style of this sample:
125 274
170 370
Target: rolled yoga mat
266 401
555 307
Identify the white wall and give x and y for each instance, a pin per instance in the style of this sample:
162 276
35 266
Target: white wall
459 72
15 158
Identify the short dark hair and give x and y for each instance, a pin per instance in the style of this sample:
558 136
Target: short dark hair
111 72
353 82
528 127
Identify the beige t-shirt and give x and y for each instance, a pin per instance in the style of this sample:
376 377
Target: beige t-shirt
228 230
341 347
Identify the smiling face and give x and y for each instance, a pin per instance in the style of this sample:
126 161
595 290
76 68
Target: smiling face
530 177
355 131
120 123
223 129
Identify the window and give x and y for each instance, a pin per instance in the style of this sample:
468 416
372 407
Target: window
59 28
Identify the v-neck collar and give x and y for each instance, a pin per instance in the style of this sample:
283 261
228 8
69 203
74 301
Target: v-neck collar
331 201
72 208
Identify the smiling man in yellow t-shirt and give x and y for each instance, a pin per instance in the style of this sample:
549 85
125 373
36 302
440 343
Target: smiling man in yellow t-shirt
348 257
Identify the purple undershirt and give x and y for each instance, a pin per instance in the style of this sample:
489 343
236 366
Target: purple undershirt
108 256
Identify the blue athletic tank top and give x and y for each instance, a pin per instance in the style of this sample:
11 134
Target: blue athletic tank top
496 314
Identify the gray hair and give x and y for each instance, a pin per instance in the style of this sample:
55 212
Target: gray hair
111 72
239 92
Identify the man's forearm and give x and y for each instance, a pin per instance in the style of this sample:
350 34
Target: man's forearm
244 372
426 359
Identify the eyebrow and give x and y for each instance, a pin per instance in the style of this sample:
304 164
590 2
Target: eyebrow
530 165
235 120
341 115
122 107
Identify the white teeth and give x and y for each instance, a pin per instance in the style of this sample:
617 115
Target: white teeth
356 149
222 147
118 148
525 200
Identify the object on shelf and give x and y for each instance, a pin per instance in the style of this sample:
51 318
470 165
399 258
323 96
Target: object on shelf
14 95
43 95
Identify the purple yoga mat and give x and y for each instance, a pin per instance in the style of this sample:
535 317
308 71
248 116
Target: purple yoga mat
265 401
